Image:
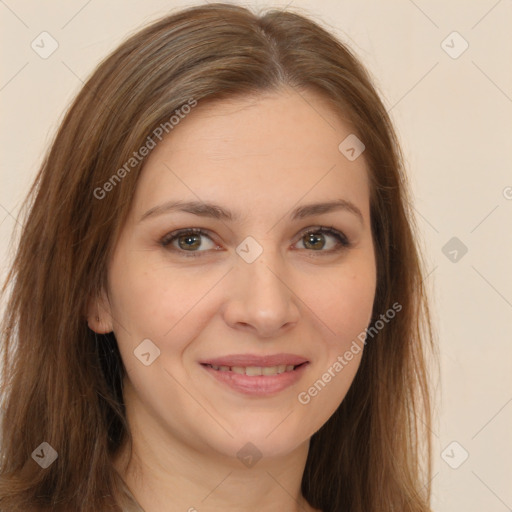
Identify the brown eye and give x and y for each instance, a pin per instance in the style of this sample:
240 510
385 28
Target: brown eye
194 241
314 241
318 239
188 240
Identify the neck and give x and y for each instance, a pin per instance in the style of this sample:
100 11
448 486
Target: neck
165 474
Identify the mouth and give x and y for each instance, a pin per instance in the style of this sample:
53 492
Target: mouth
253 371
259 376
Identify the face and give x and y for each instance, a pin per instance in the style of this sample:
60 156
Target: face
208 302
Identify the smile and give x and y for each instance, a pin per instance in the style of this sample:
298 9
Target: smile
257 381
255 370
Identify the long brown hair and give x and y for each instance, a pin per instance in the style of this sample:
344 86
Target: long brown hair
62 383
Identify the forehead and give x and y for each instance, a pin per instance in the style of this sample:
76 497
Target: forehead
270 149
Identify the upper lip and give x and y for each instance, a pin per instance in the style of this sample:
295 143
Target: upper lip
245 360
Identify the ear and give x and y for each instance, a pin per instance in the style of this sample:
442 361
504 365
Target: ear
99 315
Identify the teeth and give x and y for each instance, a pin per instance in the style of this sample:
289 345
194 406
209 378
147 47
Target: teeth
255 370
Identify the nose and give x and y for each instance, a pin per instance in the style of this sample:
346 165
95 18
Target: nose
260 297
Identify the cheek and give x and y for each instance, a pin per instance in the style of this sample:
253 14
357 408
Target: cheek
345 300
352 306
154 299
151 299
346 310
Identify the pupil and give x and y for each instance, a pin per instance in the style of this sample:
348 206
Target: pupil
189 241
193 242
312 238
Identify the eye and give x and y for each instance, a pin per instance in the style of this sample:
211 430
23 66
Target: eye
187 241
315 239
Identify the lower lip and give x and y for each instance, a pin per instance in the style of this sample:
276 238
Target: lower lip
258 385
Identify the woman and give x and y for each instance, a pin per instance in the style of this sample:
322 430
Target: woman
217 298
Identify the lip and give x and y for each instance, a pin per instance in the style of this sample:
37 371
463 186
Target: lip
257 385
255 360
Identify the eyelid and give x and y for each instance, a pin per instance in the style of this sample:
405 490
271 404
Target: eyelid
329 230
343 241
167 239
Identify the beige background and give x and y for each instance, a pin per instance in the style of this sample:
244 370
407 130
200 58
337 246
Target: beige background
454 116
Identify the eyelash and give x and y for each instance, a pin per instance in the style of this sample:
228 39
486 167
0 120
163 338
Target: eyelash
343 242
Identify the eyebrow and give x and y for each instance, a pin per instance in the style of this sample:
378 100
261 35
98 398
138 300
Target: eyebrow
216 211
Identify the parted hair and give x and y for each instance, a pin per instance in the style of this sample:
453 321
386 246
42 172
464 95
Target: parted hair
63 384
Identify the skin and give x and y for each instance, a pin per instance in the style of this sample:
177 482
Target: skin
259 157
